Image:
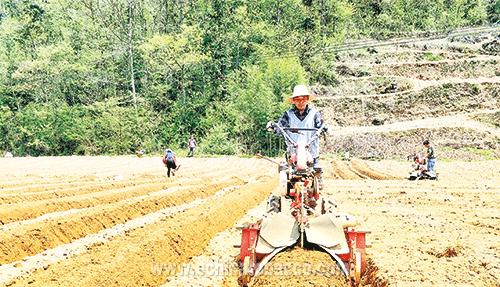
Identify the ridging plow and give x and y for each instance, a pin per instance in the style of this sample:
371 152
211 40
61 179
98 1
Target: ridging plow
302 216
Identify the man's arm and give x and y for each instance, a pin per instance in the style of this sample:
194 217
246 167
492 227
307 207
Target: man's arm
284 121
318 122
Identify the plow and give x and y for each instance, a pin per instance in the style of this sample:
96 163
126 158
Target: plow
301 215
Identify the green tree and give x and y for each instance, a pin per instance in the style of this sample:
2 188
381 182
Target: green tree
258 95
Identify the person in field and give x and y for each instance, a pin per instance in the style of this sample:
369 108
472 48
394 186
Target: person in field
303 115
430 156
191 146
170 161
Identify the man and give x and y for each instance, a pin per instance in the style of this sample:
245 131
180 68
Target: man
191 146
302 115
170 161
431 157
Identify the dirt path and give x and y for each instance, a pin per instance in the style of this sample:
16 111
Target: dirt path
459 120
424 63
418 85
422 84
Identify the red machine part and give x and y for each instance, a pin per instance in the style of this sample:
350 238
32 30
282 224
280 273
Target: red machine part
248 256
355 260
358 237
249 236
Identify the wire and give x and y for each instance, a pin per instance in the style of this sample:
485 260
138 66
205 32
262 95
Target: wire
356 45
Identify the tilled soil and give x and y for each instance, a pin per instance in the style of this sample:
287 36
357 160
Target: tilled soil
299 267
425 233
435 233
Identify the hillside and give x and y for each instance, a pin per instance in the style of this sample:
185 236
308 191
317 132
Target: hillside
390 99
111 77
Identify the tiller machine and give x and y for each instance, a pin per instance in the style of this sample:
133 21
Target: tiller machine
302 215
419 170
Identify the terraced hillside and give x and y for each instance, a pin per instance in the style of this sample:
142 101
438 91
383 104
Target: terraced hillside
388 100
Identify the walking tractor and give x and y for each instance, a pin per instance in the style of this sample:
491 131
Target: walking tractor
301 215
419 169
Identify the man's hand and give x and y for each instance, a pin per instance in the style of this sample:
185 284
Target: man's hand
322 130
270 126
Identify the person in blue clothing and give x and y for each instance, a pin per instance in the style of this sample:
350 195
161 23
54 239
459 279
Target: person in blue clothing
430 155
303 115
170 161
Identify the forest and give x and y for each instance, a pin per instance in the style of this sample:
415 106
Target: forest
108 77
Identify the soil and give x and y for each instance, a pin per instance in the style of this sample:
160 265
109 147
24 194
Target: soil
432 233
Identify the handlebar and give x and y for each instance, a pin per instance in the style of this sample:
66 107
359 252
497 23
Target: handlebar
300 129
288 139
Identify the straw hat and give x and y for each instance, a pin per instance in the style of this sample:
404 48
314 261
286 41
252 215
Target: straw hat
301 90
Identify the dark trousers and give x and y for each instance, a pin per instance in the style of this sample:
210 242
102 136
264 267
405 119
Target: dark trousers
170 165
191 152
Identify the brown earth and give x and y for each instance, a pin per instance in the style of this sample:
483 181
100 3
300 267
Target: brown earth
32 239
386 100
453 143
354 169
398 54
432 233
299 267
433 101
492 119
463 67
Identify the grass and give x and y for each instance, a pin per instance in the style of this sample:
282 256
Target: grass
489 119
485 154
432 57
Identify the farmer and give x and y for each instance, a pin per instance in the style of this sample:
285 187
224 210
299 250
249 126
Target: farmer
170 161
302 115
431 157
191 146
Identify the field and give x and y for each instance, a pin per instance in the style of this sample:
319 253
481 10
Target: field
119 221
